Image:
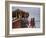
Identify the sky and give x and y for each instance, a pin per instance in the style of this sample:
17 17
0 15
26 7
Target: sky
33 12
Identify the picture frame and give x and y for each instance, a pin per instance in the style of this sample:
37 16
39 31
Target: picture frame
10 31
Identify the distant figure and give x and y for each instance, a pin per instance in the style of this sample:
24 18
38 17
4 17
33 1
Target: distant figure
32 22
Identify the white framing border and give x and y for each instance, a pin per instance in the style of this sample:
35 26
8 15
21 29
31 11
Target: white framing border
26 30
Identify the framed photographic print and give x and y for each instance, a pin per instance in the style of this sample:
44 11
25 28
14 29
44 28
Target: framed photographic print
24 18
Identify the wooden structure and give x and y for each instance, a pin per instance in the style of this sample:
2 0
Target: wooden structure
17 16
